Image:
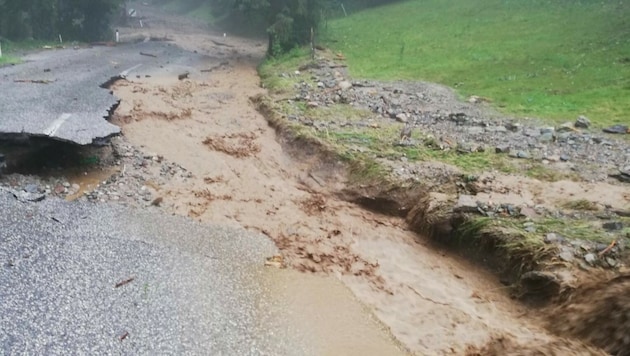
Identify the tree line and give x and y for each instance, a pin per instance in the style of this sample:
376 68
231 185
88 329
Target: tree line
83 20
287 22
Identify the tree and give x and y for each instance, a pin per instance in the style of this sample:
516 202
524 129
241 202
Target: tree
289 21
44 19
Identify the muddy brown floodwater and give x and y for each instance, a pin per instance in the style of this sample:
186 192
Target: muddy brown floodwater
432 303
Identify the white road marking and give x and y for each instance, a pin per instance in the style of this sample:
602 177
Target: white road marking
55 125
124 74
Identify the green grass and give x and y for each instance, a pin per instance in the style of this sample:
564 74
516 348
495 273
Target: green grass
381 142
271 71
580 204
11 50
538 58
504 237
8 59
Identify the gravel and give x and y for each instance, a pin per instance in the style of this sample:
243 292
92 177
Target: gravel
85 278
437 113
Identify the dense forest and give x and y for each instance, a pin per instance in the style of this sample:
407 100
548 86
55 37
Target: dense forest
47 19
287 22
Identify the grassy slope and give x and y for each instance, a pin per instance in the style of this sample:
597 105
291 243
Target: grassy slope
6 59
11 51
551 59
518 244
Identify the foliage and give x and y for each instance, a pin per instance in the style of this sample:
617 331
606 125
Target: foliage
46 19
289 21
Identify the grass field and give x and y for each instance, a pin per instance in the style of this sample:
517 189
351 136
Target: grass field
6 59
11 50
537 58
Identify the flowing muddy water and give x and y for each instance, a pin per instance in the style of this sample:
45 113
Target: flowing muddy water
431 302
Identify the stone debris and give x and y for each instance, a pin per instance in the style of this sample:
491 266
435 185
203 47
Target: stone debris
445 121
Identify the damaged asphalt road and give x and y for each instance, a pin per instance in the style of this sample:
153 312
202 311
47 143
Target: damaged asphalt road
82 278
62 94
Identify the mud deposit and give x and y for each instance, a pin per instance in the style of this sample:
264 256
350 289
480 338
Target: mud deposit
229 167
240 174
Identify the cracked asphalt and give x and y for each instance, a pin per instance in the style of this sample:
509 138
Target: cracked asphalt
57 94
82 278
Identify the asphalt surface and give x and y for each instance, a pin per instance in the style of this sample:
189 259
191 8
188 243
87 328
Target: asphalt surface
68 103
85 278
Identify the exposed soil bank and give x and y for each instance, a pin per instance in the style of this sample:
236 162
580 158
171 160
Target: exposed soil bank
432 209
198 147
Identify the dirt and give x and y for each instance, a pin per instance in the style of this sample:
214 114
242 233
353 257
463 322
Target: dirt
432 302
505 346
598 313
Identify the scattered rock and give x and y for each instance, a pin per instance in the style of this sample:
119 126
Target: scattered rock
612 225
402 117
611 262
475 130
312 104
624 174
547 130
566 127
582 122
465 147
590 258
522 154
513 126
566 256
31 188
552 238
502 149
466 204
345 85
529 212
532 132
617 129
496 129
546 137
529 226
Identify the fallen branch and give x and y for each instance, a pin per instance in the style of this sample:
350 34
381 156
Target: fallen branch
126 281
610 247
220 43
148 54
36 81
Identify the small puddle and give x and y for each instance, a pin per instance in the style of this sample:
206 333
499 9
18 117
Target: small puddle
322 316
88 180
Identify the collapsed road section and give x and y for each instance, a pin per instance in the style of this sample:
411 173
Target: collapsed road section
62 94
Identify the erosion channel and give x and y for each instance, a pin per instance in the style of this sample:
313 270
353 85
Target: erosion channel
351 281
241 174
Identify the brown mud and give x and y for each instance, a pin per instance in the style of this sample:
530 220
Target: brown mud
432 301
